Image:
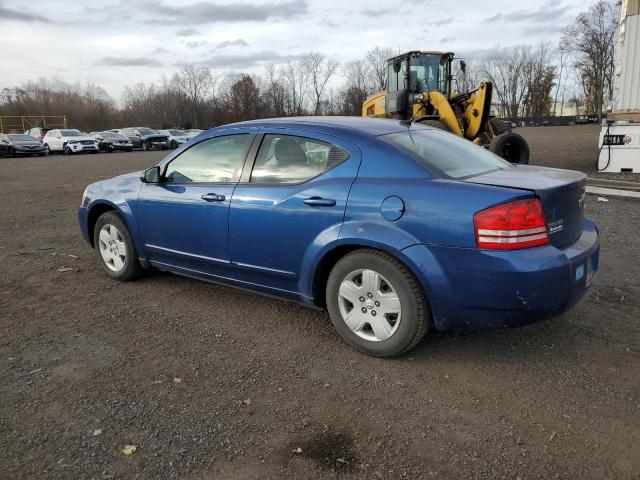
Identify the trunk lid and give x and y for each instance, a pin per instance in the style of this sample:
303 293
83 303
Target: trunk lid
561 193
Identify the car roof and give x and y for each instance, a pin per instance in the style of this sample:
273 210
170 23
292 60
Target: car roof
362 125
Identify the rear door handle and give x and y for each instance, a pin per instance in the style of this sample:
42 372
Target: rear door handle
213 197
320 202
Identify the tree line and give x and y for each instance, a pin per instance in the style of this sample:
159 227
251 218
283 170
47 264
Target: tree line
528 81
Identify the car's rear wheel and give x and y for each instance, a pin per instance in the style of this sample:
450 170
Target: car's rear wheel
47 149
376 303
115 249
174 144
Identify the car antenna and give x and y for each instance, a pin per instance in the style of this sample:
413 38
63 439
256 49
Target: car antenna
408 122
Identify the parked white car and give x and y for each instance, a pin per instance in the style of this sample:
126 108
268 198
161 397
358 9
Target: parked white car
176 137
69 141
193 132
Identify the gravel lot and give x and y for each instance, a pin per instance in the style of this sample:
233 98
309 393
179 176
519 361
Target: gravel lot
210 382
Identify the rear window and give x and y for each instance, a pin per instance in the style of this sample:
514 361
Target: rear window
445 153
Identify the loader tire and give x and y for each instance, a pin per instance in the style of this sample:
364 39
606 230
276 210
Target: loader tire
499 126
510 146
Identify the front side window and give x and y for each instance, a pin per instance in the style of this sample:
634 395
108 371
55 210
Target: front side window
289 159
445 153
211 161
147 131
397 79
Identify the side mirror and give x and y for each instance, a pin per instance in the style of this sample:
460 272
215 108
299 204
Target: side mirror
151 175
463 66
396 66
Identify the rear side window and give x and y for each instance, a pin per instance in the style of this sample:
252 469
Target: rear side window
291 159
215 160
445 153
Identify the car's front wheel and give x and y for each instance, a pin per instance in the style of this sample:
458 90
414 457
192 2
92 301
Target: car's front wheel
115 249
145 146
376 303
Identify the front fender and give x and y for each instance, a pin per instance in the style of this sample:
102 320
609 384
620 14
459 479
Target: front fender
122 196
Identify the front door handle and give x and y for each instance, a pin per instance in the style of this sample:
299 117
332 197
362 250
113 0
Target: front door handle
213 197
320 202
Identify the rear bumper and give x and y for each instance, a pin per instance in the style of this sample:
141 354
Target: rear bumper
475 289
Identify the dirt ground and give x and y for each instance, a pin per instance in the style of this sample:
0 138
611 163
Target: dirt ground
213 383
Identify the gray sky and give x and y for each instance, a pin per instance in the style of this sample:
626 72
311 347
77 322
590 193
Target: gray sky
114 43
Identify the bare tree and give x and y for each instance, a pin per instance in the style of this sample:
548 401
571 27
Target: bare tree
195 82
505 69
377 58
539 74
592 37
296 76
358 86
321 69
562 54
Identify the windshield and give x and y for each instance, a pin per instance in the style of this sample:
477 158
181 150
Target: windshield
447 154
147 131
428 72
177 133
20 137
111 135
70 133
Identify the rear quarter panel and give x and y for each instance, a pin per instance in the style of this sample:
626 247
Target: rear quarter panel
436 211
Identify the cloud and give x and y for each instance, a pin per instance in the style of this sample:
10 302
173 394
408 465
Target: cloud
549 11
376 12
205 12
21 15
238 42
195 44
447 39
187 32
439 23
245 61
129 62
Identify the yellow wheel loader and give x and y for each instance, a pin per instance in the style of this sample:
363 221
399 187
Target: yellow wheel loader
419 89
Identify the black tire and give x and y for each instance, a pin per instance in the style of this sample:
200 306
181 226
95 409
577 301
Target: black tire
13 153
512 147
145 146
47 149
415 317
66 150
174 144
434 124
132 268
499 126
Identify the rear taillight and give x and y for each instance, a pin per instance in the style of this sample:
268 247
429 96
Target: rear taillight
512 225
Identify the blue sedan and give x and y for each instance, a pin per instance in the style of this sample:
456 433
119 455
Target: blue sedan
392 228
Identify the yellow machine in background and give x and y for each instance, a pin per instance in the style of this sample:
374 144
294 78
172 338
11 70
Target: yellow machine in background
419 89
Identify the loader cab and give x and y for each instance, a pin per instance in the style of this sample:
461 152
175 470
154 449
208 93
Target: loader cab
413 73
